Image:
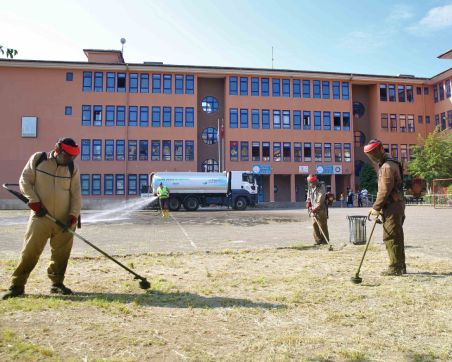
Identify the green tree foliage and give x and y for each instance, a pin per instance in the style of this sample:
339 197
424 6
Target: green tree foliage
10 53
433 157
368 179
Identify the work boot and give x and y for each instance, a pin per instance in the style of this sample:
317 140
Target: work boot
391 272
404 269
60 288
13 292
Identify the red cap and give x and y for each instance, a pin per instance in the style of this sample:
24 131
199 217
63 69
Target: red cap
373 145
72 150
312 178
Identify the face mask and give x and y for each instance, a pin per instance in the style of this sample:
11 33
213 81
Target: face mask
374 157
63 158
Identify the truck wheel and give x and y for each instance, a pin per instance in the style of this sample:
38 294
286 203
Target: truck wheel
240 203
174 204
191 203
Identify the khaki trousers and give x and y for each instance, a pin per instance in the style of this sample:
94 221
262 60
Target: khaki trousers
393 236
323 221
39 230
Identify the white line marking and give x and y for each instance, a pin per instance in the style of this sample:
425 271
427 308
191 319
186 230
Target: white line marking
185 233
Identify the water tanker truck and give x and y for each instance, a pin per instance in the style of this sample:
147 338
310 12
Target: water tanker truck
237 189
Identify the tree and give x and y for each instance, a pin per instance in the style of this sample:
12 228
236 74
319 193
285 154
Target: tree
368 179
433 157
10 52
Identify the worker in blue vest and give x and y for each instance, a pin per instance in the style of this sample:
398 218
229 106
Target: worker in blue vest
163 194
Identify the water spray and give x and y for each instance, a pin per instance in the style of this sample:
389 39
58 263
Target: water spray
143 283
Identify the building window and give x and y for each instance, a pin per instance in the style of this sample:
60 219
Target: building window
306 120
346 121
316 90
143 183
95 182
297 152
166 122
296 84
167 84
144 83
449 119
244 151
189 84
144 116
178 150
97 115
307 151
209 135
296 119
402 122
441 91
265 119
86 115
327 121
345 91
85 150
133 83
306 89
277 151
325 89
210 165
84 184
383 93
69 76
155 150
409 94
120 150
243 118
276 87
178 116
155 116
179 84
68 111
108 184
337 121
189 117
132 184
121 83
384 121
109 116
287 157
410 123
255 86
109 150
393 122
427 119
209 104
286 119
394 151
156 83
132 150
336 90
419 91
97 150
286 87
233 118
276 119
98 82
404 153
234 151
448 93
327 152
243 86
255 118
337 152
233 86
87 81
265 87
166 150
119 184
347 152
189 150
317 120
111 82
401 93
391 92
265 151
143 150
255 151
420 119
318 152
120 116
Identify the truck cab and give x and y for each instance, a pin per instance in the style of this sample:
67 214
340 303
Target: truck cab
243 189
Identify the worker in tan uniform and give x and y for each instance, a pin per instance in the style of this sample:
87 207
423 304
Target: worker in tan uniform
51 182
390 204
316 204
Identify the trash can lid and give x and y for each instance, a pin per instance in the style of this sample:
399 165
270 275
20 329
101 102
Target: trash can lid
359 217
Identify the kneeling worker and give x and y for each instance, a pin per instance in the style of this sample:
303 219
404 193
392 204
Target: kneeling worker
163 194
316 203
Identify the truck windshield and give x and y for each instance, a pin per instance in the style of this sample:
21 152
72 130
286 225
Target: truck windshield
247 177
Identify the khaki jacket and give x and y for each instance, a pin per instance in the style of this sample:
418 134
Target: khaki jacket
389 182
317 196
53 186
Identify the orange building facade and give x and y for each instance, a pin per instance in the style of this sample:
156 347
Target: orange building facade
133 119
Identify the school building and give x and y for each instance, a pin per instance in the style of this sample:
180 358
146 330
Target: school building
133 119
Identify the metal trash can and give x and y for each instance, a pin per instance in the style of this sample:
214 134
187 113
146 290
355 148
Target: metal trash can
357 229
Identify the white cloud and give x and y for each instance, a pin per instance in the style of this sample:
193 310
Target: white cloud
436 19
400 13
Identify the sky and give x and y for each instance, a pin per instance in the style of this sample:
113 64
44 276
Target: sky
383 37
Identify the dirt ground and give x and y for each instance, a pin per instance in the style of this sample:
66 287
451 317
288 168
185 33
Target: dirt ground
233 286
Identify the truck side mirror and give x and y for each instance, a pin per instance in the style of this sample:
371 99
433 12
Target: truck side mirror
253 187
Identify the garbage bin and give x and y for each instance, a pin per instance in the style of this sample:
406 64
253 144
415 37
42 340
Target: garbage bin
357 229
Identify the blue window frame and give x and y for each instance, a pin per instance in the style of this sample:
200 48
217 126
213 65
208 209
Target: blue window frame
87 81
120 116
277 151
111 82
156 83
119 184
448 93
179 84
133 116
337 121
276 119
391 92
95 184
85 152
155 150
155 116
317 120
97 150
166 122
108 184
243 118
98 82
143 150
265 87
69 76
327 121
327 155
233 86
296 119
306 89
143 185
346 121
286 87
121 82
189 84
233 118
243 86
255 118
132 150
266 119
133 83
120 150
144 116
109 150
383 92
276 87
109 116
345 91
233 150
167 83
297 152
86 115
286 119
244 151
209 104
326 89
97 115
306 120
189 150
166 150
68 111
336 90
441 91
178 116
435 93
255 86
189 117
84 184
296 85
316 88
401 92
132 185
178 150
144 83
307 152
427 119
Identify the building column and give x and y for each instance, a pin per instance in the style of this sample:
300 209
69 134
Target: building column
333 185
293 197
272 188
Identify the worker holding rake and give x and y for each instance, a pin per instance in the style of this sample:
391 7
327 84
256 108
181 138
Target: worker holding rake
318 209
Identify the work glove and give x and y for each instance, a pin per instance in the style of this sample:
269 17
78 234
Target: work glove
308 204
71 221
314 211
373 214
38 208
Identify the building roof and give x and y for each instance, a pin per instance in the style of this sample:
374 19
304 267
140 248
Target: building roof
446 55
